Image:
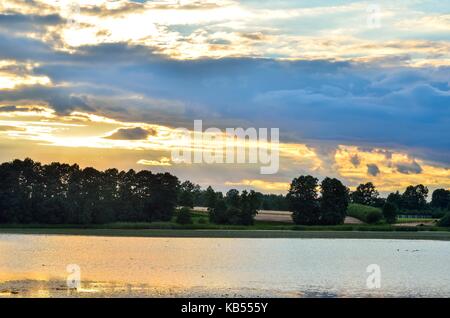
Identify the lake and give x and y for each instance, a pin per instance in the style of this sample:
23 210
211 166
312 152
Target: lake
36 266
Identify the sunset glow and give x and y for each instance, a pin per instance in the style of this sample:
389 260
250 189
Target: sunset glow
107 83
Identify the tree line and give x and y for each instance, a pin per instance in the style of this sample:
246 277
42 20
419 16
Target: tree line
31 192
65 194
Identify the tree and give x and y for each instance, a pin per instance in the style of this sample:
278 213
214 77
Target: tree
234 216
184 216
395 198
415 197
62 194
440 199
218 214
250 203
365 194
163 196
334 201
235 208
303 200
210 198
390 212
232 198
187 193
274 202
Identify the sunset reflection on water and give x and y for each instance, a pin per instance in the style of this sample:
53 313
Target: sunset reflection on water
35 265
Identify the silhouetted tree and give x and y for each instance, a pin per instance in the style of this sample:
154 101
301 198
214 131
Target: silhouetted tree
395 198
187 194
218 213
390 212
415 197
237 209
334 201
303 200
210 198
232 198
184 216
60 193
274 202
365 194
250 202
440 199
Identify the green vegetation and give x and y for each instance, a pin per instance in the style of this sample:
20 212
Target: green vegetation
416 220
367 194
65 194
60 195
304 200
235 208
365 213
410 235
184 216
390 212
441 199
445 221
309 209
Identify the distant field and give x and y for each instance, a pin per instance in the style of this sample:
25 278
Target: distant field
417 220
277 216
267 224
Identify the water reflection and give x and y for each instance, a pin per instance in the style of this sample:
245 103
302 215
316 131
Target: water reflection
35 265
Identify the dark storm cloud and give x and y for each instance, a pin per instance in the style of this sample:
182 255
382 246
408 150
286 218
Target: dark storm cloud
409 168
16 19
136 133
16 23
373 170
60 99
321 100
13 108
9 108
355 160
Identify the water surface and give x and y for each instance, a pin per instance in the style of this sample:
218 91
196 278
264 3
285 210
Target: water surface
35 265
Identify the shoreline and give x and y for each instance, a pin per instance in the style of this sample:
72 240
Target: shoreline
325 234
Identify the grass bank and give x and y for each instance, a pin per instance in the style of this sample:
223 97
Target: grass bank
295 232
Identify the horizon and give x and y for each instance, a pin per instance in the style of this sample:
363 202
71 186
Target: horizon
381 195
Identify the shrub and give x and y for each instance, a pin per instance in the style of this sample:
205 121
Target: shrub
364 213
234 216
202 221
438 213
445 221
218 214
390 212
184 216
373 217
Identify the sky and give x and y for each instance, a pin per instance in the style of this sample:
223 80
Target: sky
359 90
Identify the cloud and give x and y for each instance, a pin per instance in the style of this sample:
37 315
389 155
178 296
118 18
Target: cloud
409 168
11 128
162 162
136 133
28 21
373 170
355 160
260 184
314 100
320 79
